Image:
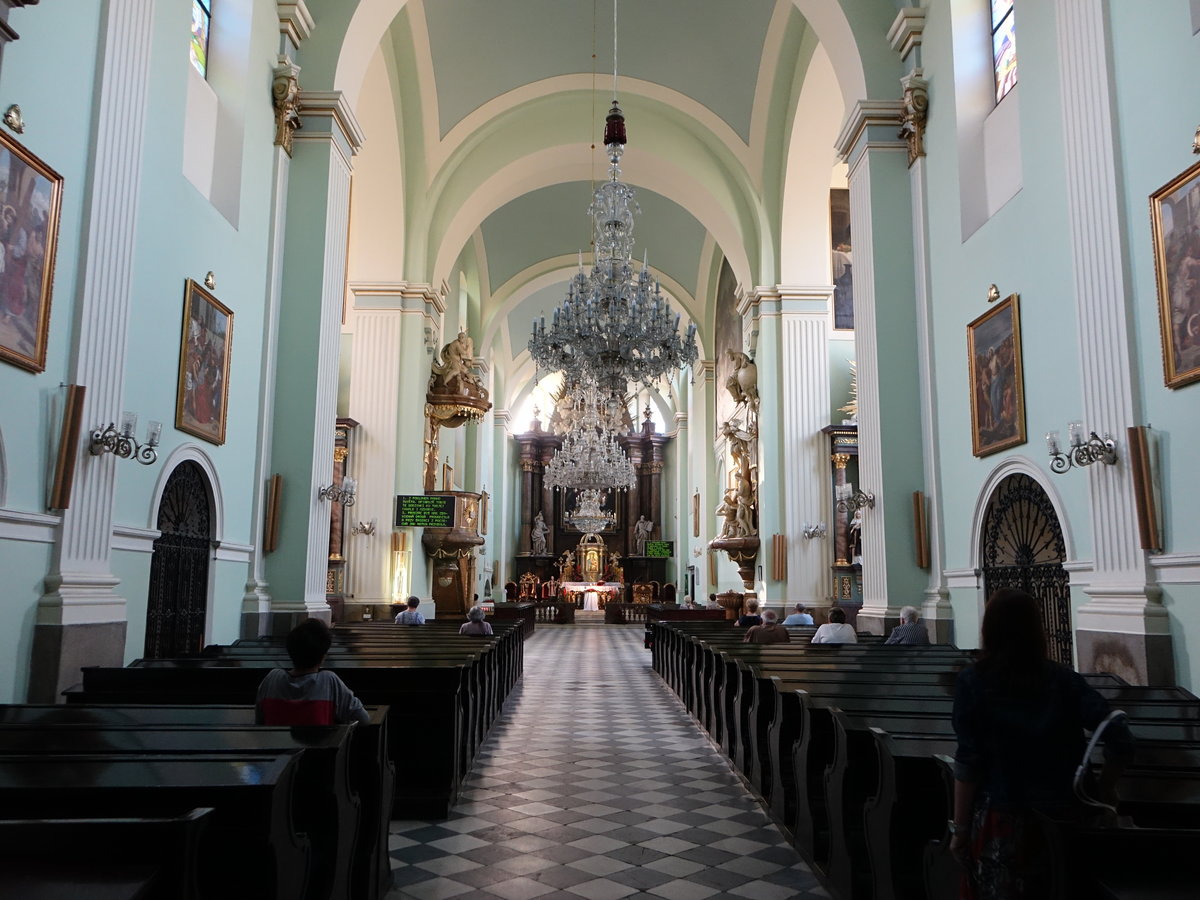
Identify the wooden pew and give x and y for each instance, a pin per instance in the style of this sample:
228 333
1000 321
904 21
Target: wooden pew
370 770
151 858
427 694
325 808
251 831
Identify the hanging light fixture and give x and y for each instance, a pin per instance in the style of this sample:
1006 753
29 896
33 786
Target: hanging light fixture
615 326
590 458
589 515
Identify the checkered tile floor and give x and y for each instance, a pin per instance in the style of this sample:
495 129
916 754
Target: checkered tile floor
596 783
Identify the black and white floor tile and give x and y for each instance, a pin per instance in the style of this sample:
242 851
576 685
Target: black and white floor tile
596 783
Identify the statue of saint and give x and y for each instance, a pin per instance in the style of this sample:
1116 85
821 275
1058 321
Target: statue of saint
856 538
641 533
728 512
453 372
537 534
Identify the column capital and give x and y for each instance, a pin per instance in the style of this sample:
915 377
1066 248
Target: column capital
906 32
295 23
792 299
871 125
327 116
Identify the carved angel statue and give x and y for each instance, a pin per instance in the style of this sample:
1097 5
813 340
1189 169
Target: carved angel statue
453 372
742 382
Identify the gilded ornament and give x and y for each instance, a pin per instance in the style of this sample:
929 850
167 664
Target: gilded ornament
285 94
14 120
914 113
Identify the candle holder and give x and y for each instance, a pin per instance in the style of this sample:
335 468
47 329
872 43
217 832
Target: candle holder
122 443
345 493
1081 452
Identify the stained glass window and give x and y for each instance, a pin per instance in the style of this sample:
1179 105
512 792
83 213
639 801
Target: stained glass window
1004 46
201 23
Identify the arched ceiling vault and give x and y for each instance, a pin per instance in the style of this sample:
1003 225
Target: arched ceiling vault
493 110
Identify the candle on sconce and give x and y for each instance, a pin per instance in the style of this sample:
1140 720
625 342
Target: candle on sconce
1075 431
128 423
1052 442
153 433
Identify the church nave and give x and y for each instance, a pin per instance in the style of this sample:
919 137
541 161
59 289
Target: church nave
596 783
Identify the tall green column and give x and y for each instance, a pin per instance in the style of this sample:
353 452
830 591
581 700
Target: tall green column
889 409
318 204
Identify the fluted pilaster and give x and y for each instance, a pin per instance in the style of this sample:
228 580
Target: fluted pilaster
1122 597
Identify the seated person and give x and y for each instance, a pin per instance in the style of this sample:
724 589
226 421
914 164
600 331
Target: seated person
410 616
909 631
835 631
304 694
769 632
475 623
750 617
799 617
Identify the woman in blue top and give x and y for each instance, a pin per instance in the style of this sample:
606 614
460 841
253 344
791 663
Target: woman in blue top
1019 719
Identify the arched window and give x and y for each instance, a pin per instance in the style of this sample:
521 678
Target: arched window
1004 46
201 22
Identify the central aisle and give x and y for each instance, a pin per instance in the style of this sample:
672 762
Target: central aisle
596 783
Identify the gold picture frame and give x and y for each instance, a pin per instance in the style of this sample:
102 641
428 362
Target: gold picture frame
30 207
202 397
1174 220
996 378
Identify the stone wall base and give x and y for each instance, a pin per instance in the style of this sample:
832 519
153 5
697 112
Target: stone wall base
59 651
1137 658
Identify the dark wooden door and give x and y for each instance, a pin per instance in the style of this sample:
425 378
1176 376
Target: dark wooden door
178 602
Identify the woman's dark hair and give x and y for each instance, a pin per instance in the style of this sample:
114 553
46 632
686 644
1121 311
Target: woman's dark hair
837 615
1012 638
308 643
414 602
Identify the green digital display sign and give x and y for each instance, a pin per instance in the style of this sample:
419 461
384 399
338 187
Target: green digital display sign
420 511
660 549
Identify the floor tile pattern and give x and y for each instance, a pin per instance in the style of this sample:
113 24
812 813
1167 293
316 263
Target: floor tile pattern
596 783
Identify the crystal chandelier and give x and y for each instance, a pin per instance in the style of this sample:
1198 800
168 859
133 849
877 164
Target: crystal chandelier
590 458
589 515
577 404
614 327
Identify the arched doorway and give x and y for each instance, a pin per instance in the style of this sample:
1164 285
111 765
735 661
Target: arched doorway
178 601
1023 548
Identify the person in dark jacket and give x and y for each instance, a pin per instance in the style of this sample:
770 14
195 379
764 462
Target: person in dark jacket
1019 719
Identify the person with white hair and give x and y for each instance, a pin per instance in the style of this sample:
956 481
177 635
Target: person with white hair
769 632
909 631
475 623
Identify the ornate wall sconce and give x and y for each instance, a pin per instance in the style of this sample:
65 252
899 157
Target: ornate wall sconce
860 499
367 528
814 531
1081 452
121 443
344 494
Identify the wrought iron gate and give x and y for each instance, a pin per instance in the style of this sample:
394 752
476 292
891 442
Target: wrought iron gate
1023 548
178 599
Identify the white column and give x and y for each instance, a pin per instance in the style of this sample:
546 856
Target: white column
1124 603
80 586
375 405
807 497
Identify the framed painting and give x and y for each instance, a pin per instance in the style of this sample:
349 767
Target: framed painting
30 205
997 389
201 404
1175 222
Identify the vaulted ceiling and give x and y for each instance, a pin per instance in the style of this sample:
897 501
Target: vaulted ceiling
484 121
